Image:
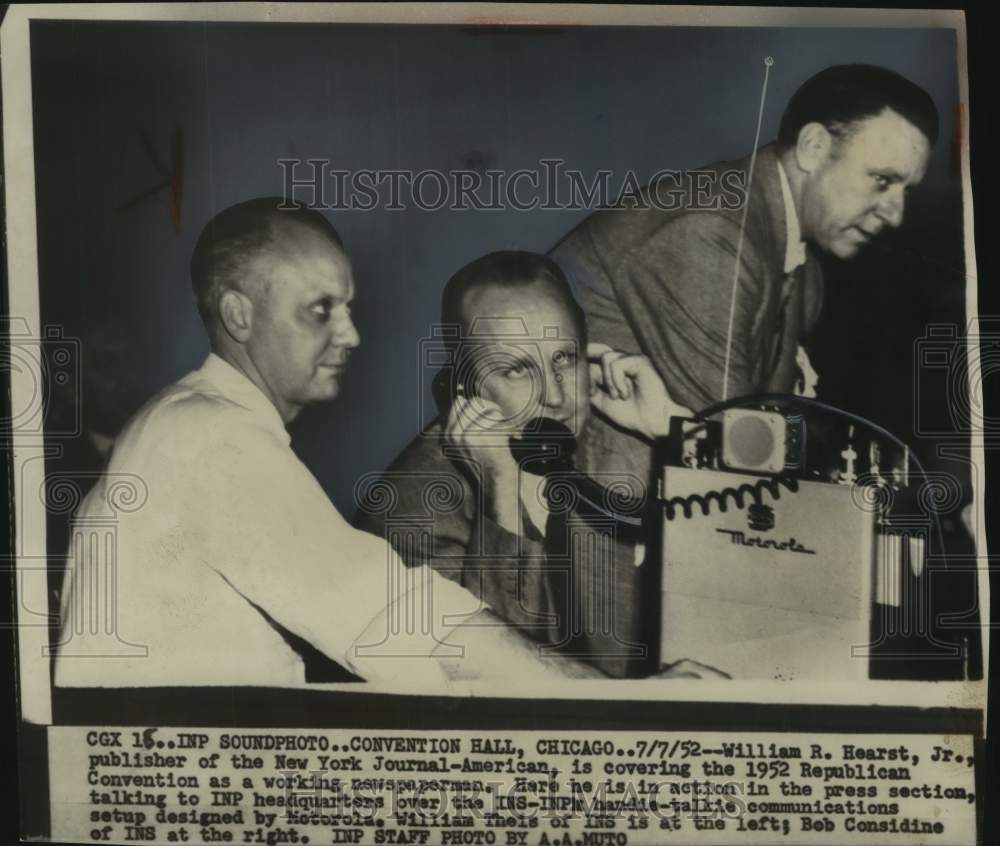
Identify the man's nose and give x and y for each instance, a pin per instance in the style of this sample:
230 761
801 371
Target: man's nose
554 390
890 206
347 335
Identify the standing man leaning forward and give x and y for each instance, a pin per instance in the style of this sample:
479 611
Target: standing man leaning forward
853 141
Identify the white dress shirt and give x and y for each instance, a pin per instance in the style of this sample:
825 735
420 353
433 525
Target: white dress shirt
534 501
235 532
795 247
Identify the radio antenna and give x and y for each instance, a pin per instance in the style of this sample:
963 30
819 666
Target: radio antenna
768 62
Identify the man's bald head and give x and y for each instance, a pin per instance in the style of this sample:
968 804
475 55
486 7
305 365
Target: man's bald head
238 246
274 287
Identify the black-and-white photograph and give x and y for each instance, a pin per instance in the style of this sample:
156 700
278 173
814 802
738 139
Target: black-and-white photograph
497 353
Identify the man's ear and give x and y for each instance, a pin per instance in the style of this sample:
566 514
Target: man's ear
813 148
236 314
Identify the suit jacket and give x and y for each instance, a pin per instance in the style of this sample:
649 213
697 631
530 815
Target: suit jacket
660 282
430 509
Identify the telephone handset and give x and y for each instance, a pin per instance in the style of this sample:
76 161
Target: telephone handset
545 447
446 386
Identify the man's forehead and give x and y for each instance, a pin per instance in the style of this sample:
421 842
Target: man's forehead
499 325
551 337
298 237
890 140
528 312
311 261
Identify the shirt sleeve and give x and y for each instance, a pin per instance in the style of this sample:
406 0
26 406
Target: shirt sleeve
282 545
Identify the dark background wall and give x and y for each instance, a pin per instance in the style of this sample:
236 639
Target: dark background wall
244 96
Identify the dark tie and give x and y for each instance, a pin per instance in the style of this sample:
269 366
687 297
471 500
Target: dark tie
594 593
557 558
788 331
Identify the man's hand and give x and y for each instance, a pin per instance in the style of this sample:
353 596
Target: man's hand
476 427
628 391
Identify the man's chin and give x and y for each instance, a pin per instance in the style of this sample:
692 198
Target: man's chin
845 250
326 391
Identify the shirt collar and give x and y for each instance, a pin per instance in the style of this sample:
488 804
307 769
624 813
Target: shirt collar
795 247
237 388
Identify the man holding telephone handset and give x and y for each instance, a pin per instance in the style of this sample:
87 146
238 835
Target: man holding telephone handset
233 567
519 363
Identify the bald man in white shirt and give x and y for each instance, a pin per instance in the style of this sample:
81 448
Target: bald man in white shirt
237 545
